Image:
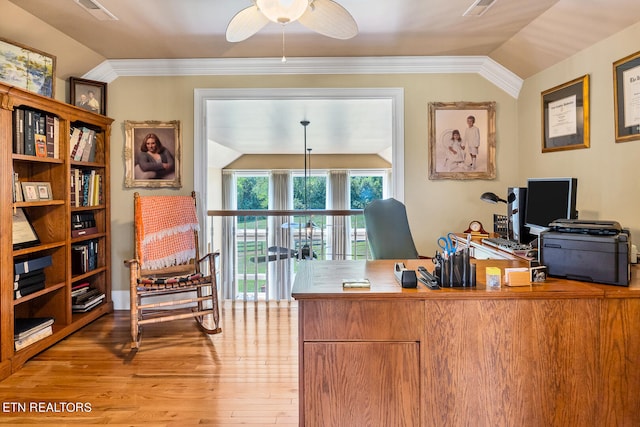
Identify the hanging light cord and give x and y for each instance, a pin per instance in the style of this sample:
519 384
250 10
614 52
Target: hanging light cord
284 58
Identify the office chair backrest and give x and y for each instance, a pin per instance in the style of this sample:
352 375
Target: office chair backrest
388 230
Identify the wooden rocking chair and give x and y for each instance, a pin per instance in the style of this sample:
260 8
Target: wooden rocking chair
167 263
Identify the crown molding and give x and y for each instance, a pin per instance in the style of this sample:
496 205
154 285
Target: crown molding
495 73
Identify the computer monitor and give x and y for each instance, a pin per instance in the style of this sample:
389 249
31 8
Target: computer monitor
549 199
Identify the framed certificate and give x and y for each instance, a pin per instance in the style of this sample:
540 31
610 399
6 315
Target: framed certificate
23 233
626 91
565 116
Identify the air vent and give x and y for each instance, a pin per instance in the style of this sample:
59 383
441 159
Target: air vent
96 10
479 7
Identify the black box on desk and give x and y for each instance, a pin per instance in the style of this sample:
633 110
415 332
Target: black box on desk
586 257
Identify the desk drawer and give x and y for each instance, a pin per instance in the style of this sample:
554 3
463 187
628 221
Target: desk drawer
336 319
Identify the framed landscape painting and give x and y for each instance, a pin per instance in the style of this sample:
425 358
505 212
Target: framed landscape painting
27 68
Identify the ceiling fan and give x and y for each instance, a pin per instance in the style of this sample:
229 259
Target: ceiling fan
322 16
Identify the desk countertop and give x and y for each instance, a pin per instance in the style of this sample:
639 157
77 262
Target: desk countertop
324 279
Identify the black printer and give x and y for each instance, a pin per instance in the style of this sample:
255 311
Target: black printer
591 251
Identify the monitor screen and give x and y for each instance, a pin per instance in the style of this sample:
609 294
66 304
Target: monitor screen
549 199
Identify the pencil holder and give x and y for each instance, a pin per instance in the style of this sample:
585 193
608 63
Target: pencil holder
456 271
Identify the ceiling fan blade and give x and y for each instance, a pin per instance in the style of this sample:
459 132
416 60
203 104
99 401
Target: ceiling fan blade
281 250
329 19
246 23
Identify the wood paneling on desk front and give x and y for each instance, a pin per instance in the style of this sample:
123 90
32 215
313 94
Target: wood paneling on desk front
563 353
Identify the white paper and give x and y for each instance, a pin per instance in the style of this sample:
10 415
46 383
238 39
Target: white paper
631 88
562 117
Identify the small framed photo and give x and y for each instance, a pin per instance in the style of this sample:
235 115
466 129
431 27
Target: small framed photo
27 68
30 192
90 95
565 116
35 191
626 92
462 140
538 274
44 190
152 154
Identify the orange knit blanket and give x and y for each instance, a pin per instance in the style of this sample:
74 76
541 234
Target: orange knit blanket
165 226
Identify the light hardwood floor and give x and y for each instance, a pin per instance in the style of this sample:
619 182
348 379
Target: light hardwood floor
179 377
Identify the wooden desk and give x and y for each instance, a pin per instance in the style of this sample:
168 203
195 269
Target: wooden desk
563 353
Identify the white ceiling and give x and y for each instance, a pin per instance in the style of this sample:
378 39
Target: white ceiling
524 36
273 126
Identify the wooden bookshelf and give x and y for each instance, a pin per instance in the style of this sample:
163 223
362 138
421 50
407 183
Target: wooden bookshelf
51 221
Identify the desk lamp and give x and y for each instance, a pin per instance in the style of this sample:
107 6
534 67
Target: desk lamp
493 198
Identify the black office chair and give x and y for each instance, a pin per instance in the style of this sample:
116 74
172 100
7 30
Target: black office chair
388 230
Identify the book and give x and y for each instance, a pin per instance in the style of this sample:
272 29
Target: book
18 127
90 145
33 338
79 292
50 137
88 304
40 133
28 290
25 326
74 140
32 273
29 133
17 189
30 280
80 286
84 138
41 145
25 266
56 137
85 297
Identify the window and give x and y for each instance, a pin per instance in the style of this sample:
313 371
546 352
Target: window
316 191
365 186
252 193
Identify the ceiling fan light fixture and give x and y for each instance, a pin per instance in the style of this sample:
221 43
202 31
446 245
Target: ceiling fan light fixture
282 11
479 7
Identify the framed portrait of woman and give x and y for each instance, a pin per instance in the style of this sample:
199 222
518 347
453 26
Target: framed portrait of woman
152 154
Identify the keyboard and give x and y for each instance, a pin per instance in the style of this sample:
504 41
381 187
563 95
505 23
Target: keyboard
506 244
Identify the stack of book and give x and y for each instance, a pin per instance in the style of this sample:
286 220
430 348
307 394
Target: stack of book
83 224
36 133
26 331
84 256
29 276
84 297
82 143
86 187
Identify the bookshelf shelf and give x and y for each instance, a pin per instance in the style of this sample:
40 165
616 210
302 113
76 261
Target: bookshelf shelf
34 159
46 288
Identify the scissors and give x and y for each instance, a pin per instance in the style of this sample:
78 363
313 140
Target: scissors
447 244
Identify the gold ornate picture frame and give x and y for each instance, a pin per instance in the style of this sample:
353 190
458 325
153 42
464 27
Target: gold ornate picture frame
626 92
153 154
462 140
565 116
